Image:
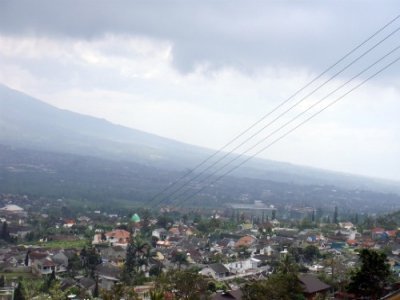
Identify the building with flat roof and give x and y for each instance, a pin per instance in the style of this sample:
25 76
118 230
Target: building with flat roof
257 210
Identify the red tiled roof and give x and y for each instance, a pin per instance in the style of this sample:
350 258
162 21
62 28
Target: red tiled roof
48 263
352 242
245 241
37 255
118 234
378 230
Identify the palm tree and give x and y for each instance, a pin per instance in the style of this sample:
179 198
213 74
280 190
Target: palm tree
137 256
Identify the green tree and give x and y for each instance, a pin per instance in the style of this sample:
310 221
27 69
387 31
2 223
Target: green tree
164 221
96 288
74 265
283 285
5 233
56 293
146 216
335 216
19 291
26 262
287 265
179 258
188 284
119 291
90 260
311 252
137 256
30 288
371 278
243 252
156 295
277 287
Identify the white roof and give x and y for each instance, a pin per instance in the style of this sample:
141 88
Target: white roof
12 207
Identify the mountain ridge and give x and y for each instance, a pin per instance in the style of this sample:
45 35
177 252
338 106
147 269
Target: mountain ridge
27 122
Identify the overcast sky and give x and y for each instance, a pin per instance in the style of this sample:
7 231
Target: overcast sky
202 71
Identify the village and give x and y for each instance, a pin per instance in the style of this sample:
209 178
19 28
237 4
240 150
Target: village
85 255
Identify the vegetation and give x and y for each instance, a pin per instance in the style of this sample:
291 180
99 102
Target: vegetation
371 278
283 285
187 284
137 256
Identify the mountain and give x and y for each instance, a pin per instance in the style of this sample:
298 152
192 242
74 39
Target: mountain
28 123
104 184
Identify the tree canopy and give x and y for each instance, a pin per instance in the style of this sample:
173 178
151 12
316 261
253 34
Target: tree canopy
373 275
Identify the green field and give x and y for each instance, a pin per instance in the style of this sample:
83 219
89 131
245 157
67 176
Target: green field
64 244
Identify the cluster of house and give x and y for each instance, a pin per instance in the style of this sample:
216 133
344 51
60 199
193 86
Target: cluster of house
250 252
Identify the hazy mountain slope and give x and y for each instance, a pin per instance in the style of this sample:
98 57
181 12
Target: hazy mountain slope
26 122
30 123
114 183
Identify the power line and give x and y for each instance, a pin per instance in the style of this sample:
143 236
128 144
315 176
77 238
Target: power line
183 185
273 110
291 130
299 115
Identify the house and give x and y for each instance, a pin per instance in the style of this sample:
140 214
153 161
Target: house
216 271
44 263
69 223
246 241
346 225
223 244
12 209
160 233
243 266
88 284
108 275
175 231
17 231
392 296
377 233
118 237
352 243
163 244
312 286
60 260
115 255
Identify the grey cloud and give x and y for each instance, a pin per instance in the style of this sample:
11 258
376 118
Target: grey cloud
243 34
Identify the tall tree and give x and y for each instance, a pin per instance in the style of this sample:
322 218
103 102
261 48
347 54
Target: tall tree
96 288
137 256
27 257
5 233
371 278
90 260
335 215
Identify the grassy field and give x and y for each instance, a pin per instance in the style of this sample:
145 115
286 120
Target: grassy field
64 244
16 275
